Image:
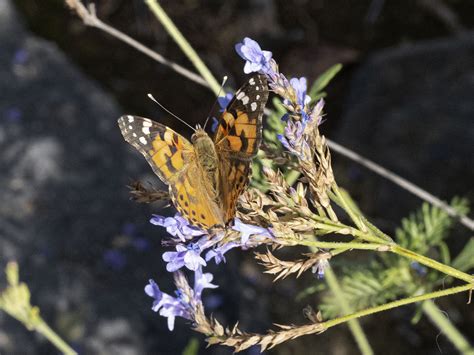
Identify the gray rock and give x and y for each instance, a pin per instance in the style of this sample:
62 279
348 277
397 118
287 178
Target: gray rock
411 110
64 202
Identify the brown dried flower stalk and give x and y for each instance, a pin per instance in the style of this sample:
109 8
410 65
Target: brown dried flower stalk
141 194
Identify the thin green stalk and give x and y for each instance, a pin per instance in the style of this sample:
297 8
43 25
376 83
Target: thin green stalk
356 219
342 245
54 338
398 303
448 329
433 264
353 324
177 36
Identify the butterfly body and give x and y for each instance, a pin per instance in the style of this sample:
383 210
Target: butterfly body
207 175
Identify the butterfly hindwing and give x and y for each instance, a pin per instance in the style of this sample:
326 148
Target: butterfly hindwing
188 193
164 149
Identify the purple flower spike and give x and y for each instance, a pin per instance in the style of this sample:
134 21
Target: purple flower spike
247 230
184 256
300 86
177 226
255 58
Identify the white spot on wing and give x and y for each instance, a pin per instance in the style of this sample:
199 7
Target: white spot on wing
257 97
146 124
252 81
245 100
134 134
142 140
130 118
146 130
130 127
257 88
240 95
253 106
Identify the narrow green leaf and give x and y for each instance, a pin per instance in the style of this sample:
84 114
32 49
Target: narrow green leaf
324 79
465 260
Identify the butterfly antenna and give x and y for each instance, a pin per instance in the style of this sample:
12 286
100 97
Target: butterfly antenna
215 102
171 113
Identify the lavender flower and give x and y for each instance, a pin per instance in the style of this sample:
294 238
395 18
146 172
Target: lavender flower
169 306
177 226
218 253
202 281
320 267
185 255
246 230
185 303
300 86
255 58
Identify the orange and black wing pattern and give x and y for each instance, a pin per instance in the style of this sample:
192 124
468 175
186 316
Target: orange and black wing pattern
164 149
173 159
238 137
239 129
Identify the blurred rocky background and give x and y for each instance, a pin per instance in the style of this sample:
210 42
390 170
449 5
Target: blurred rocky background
403 99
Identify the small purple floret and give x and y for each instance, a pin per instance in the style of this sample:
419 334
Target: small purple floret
255 58
177 226
246 230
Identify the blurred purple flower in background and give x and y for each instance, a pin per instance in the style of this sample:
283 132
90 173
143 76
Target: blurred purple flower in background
13 114
115 259
224 100
20 56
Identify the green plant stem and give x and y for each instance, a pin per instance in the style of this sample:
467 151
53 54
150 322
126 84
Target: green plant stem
346 206
398 303
54 338
177 36
448 329
353 324
433 264
342 245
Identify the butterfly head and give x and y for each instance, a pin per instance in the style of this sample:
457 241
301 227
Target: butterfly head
199 133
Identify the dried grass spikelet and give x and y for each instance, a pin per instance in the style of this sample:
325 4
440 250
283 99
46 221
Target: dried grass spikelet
142 194
318 170
283 268
240 340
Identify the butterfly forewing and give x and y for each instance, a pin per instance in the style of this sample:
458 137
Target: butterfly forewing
165 150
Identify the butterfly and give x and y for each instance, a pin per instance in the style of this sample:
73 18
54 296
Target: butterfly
207 175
